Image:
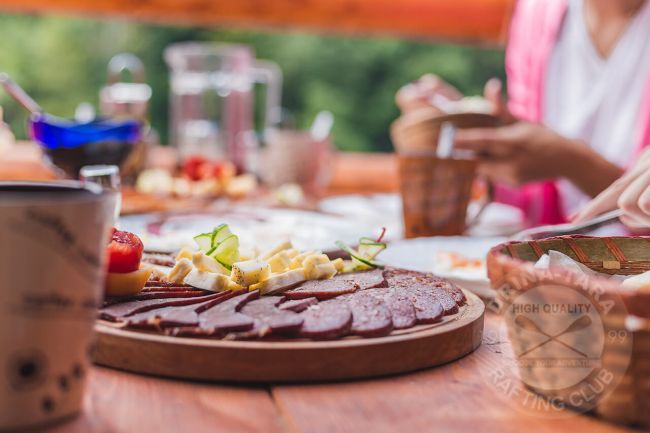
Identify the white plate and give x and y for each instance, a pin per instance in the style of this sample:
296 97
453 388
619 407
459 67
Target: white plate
256 227
420 254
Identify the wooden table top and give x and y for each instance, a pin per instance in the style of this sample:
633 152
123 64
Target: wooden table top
456 397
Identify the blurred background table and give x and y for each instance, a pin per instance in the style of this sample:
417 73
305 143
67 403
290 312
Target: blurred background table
351 172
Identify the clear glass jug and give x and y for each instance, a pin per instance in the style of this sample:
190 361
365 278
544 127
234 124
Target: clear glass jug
212 100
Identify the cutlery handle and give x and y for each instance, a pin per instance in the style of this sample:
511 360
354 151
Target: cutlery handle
569 228
17 92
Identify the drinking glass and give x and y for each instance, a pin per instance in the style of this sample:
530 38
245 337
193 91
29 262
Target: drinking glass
106 176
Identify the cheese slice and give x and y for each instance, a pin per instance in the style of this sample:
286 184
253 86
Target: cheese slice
250 272
286 245
339 264
184 253
280 262
208 281
318 267
208 264
179 271
278 283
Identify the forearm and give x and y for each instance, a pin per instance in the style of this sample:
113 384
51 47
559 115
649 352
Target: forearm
588 170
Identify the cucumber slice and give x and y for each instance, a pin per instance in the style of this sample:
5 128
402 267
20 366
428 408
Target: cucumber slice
354 266
220 233
226 252
356 256
369 248
204 241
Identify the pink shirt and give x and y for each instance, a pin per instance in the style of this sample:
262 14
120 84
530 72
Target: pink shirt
533 33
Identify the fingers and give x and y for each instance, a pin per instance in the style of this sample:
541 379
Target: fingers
493 142
635 200
431 84
603 202
493 92
419 93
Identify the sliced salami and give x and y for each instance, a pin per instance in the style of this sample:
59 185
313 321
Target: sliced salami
326 320
370 316
298 305
176 316
364 279
118 311
401 307
143 296
423 284
270 319
225 317
322 289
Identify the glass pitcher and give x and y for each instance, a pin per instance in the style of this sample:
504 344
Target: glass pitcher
212 100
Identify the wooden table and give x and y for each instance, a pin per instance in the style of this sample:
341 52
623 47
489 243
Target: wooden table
452 398
351 172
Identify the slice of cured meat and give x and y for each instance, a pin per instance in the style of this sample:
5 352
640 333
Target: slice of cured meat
370 316
298 305
159 259
454 291
322 289
400 305
364 279
403 277
116 312
143 296
326 320
162 285
270 319
427 307
225 317
174 316
418 283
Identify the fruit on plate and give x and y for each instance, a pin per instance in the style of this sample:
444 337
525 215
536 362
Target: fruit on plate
125 277
127 283
124 252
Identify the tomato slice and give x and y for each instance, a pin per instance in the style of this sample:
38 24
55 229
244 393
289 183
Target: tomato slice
194 167
124 252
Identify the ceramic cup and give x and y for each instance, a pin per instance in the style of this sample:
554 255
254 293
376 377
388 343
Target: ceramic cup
52 242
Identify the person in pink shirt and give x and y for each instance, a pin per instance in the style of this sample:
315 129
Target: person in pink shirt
578 108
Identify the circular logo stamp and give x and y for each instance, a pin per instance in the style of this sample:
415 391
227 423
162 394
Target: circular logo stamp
568 343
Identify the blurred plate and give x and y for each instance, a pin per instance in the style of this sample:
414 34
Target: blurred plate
433 254
256 227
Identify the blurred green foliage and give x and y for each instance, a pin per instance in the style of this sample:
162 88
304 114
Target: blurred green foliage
62 62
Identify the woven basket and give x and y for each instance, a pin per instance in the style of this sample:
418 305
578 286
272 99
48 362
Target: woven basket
625 330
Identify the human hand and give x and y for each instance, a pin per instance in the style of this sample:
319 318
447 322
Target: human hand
423 92
631 193
523 151
517 153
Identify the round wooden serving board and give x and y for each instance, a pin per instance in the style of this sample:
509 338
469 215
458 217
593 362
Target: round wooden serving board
293 360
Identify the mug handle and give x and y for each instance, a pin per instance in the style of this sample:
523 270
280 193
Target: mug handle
269 74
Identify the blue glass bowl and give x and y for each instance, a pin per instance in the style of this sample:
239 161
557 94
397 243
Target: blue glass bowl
70 145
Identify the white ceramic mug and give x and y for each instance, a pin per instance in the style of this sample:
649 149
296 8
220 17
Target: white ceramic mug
52 264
